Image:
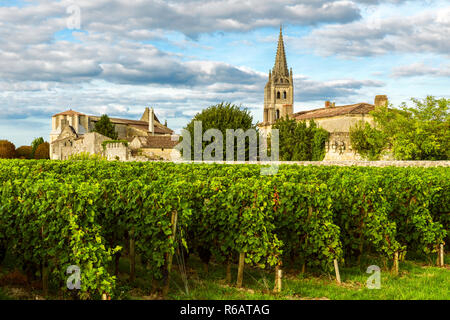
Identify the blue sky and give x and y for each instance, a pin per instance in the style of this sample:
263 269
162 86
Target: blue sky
182 56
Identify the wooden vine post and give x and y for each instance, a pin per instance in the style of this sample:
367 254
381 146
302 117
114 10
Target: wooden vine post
240 276
173 221
395 267
228 277
441 255
336 269
44 271
278 276
45 279
132 256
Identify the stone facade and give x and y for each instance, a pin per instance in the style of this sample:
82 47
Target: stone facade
340 163
337 120
146 139
70 143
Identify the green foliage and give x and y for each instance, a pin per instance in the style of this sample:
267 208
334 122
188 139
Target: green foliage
300 141
83 213
222 116
420 132
86 156
36 142
320 139
24 152
7 150
42 151
368 141
105 127
104 143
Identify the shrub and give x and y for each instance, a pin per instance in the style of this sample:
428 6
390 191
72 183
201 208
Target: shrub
7 150
86 156
301 141
36 142
24 152
42 151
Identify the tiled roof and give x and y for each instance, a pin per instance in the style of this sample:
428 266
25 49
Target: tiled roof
160 141
69 113
159 129
138 124
121 121
359 108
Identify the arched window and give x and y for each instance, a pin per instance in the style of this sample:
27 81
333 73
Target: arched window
284 95
277 115
278 95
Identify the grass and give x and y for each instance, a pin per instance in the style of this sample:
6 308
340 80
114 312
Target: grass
414 281
4 296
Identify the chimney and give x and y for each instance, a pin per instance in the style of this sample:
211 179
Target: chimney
327 104
151 121
381 101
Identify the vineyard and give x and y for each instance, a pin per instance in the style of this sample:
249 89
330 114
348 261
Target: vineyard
90 213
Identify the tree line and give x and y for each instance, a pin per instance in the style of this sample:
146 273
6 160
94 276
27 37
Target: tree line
39 149
417 132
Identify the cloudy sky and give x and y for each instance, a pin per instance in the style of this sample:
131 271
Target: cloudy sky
180 56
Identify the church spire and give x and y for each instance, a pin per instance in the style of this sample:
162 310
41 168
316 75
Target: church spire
280 67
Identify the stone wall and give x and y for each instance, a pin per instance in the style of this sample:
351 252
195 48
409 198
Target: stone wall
342 123
155 153
343 163
117 151
338 147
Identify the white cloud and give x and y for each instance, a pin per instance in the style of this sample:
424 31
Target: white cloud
421 69
424 32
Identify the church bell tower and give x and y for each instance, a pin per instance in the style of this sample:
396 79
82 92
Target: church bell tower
279 90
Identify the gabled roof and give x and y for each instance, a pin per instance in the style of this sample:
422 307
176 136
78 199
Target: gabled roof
121 121
69 113
358 108
138 124
158 128
160 141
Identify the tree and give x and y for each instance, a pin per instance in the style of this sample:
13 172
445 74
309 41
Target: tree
368 141
300 141
42 151
222 116
24 152
105 127
7 150
36 142
420 132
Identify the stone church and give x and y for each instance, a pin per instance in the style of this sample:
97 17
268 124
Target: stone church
279 103
138 140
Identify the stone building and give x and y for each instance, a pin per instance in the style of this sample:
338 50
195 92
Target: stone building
279 103
138 140
279 90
